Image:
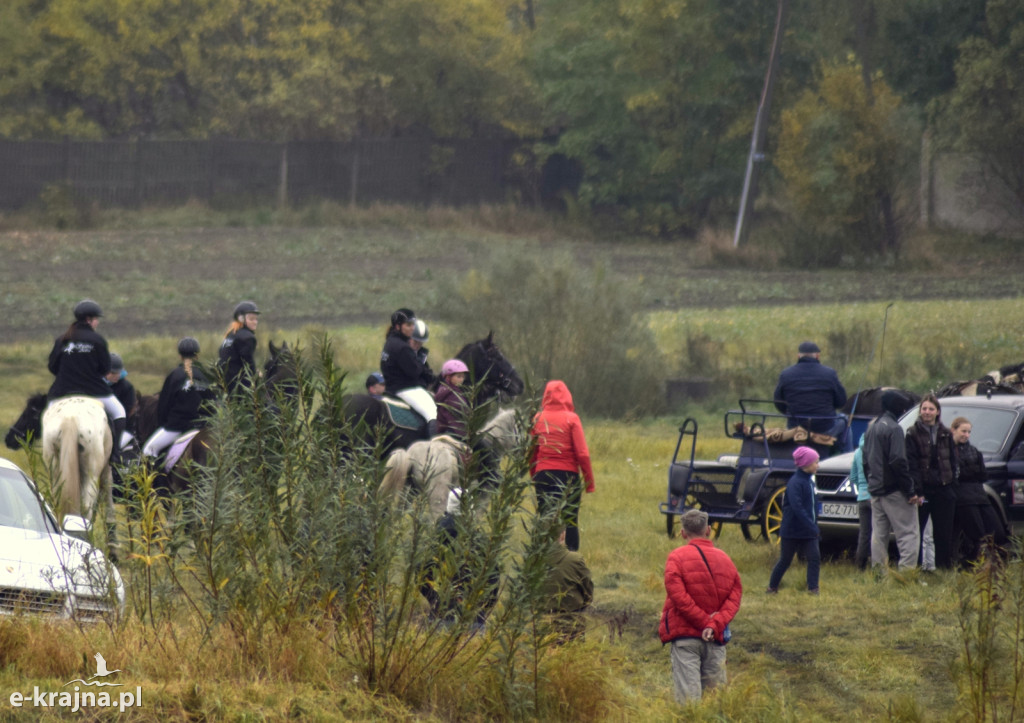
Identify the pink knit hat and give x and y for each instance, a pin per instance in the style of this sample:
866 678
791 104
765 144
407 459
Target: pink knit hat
804 456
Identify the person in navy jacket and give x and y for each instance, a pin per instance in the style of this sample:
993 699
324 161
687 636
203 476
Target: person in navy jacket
80 361
799 529
810 389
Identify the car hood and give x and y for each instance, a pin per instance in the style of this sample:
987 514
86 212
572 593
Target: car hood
841 463
52 562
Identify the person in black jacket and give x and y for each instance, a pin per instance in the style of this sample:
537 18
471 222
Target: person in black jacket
894 502
182 398
932 464
79 362
974 512
403 369
810 392
237 352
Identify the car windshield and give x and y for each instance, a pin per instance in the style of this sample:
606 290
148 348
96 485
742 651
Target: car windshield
989 427
19 506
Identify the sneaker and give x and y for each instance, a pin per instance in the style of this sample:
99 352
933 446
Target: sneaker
813 591
772 590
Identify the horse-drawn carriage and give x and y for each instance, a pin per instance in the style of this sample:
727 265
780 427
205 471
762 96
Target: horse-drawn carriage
747 488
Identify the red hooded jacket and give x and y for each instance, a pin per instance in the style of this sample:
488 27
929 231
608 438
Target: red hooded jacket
694 592
559 432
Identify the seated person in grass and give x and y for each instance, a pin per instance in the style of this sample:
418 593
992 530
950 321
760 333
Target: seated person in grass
568 589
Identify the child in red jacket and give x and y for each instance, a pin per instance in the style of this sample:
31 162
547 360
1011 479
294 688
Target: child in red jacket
560 456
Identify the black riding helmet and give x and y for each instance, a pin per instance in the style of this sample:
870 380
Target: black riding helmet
402 316
188 347
245 307
420 332
116 363
87 308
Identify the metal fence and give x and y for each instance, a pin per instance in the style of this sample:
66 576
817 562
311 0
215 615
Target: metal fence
137 173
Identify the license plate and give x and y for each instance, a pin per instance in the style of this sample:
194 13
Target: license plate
840 509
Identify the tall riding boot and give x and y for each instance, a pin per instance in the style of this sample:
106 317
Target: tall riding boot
117 427
431 429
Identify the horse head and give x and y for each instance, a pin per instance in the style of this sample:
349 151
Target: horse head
489 368
281 370
29 423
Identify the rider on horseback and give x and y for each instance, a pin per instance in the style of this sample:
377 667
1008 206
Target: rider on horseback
79 362
404 369
123 389
420 336
237 362
182 398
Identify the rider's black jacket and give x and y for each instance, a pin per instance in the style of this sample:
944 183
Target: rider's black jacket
237 360
181 400
401 366
79 360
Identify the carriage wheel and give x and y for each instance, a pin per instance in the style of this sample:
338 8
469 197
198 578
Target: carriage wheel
674 529
771 520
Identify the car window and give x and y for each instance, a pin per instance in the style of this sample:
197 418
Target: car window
19 506
989 427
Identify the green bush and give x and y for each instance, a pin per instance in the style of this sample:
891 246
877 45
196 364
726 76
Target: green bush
557 320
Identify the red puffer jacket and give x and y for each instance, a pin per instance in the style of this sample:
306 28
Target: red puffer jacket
693 594
559 432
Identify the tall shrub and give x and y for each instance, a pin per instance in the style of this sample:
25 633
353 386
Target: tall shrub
843 154
558 320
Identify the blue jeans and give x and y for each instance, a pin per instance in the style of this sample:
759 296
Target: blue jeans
787 550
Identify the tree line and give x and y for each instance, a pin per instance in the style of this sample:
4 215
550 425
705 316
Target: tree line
651 101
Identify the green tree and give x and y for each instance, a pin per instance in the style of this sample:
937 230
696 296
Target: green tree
655 98
842 154
452 67
984 113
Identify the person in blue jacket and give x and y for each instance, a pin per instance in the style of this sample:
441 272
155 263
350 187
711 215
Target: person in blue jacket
799 530
862 558
808 391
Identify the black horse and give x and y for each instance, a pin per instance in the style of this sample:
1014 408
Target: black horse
29 424
490 373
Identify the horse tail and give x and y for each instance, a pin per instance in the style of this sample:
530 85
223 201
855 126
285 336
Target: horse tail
398 467
71 482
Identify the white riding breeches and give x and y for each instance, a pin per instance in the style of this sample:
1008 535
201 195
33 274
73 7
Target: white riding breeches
113 407
160 440
420 400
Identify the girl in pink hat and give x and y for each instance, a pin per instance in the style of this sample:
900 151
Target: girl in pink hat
799 530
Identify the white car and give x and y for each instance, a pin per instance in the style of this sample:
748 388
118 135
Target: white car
43 568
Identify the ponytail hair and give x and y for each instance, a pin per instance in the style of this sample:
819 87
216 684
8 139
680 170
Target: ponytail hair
186 362
233 328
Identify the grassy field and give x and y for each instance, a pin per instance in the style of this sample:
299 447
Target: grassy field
866 649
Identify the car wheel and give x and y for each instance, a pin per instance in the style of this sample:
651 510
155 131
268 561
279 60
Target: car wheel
771 520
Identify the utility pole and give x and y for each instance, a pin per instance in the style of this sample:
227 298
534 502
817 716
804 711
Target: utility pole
756 156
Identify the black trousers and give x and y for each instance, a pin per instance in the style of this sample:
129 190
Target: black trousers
551 486
940 505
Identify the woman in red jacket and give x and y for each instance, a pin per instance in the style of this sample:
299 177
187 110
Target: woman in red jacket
560 457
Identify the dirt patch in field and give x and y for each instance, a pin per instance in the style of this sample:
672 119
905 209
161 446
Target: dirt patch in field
170 281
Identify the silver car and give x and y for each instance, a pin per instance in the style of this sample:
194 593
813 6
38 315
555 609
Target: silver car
44 569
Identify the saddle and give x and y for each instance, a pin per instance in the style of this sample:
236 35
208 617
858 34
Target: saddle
177 448
402 415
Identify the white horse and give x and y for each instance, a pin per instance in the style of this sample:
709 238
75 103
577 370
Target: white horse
76 447
434 466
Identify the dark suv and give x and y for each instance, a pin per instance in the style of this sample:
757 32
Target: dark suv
997 431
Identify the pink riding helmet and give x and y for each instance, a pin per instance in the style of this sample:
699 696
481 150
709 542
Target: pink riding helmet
453 366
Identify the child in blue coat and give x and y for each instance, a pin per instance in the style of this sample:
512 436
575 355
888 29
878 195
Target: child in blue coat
799 530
